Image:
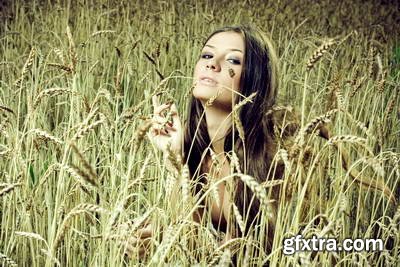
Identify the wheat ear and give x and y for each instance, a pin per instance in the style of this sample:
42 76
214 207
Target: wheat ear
8 188
318 54
81 208
8 261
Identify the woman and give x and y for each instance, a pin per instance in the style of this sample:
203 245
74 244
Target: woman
236 63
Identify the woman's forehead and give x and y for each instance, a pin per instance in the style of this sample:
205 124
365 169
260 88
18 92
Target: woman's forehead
226 41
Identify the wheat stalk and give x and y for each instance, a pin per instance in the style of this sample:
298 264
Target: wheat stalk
81 208
32 235
145 166
314 124
258 190
5 152
102 32
343 202
79 174
60 66
174 159
185 183
170 182
318 54
238 125
235 162
72 52
26 66
225 260
380 85
278 108
46 136
166 244
271 183
86 165
371 55
375 165
50 93
4 63
239 218
3 125
215 194
318 121
248 99
60 54
8 261
141 132
85 129
211 100
357 86
6 109
347 139
8 188
339 99
48 254
360 125
285 157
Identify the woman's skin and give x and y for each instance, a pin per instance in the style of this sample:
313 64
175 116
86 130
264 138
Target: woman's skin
218 68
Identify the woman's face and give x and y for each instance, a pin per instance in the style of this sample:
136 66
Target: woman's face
223 51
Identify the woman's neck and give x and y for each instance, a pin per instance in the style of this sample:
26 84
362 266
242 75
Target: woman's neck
218 124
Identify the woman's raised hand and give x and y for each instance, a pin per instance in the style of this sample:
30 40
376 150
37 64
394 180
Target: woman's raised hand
166 127
139 243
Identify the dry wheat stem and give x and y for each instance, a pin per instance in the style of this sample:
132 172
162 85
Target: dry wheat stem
81 208
60 66
239 218
185 183
102 32
84 130
318 54
86 164
46 136
72 52
225 260
213 98
6 109
347 139
9 188
32 235
8 261
60 54
50 93
258 190
235 162
26 66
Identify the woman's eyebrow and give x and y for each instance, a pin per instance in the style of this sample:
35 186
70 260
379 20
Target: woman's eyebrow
231 49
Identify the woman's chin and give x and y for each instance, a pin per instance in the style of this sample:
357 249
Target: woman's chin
203 94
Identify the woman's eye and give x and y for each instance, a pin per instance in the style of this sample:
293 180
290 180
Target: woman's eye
206 56
234 61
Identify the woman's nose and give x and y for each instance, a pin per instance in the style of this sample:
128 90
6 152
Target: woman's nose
213 65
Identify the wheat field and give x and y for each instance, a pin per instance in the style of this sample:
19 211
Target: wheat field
78 175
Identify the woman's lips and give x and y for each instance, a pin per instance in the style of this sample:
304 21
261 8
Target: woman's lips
207 81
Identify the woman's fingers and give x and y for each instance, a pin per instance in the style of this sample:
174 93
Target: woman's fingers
159 109
145 232
160 129
138 245
175 116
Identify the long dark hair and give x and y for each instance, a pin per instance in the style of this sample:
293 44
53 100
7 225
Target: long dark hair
259 74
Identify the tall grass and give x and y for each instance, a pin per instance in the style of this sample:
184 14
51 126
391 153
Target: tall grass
78 176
